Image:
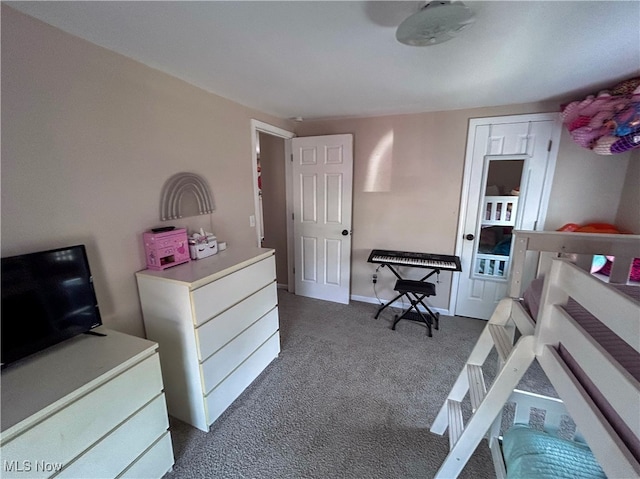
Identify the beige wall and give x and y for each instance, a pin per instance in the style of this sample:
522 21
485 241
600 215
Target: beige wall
274 201
586 187
628 216
88 139
407 196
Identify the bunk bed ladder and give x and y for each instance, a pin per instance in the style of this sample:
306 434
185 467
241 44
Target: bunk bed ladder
486 405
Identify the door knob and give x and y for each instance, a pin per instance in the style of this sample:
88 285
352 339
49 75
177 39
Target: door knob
345 232
470 237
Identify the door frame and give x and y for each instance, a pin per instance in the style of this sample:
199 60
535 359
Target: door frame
258 126
464 197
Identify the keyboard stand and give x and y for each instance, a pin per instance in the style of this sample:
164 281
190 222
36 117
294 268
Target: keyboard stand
415 291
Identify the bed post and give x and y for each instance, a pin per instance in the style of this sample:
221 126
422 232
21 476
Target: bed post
552 295
621 269
517 264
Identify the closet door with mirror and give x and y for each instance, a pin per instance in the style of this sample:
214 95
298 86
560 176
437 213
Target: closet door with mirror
508 171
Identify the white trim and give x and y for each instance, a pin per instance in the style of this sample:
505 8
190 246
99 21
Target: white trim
262 127
397 304
291 286
271 130
464 197
551 169
496 120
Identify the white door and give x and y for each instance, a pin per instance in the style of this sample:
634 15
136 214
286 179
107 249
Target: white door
322 172
508 171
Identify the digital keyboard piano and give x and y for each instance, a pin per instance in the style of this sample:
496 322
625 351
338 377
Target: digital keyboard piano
415 290
417 260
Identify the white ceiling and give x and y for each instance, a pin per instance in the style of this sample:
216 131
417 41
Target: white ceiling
315 59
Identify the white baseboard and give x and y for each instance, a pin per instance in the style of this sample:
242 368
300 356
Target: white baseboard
282 286
397 304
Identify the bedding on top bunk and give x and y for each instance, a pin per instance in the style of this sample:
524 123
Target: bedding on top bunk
529 453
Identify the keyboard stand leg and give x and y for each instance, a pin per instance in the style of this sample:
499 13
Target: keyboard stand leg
397 319
434 316
414 314
387 304
427 320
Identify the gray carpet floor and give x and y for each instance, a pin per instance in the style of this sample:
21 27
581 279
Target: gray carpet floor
346 398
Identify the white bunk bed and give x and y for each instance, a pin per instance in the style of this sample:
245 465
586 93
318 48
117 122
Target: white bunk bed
586 338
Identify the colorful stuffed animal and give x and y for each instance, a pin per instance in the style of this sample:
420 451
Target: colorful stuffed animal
608 123
627 121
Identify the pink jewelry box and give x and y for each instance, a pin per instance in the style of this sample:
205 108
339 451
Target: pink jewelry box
166 249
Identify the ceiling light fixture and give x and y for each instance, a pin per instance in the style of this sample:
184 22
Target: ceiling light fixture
435 23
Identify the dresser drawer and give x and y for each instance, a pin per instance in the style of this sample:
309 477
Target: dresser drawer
228 390
64 435
214 334
155 461
218 366
114 453
215 297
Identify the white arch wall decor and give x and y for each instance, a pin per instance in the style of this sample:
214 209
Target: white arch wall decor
175 188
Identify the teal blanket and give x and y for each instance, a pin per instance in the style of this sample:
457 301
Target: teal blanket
531 454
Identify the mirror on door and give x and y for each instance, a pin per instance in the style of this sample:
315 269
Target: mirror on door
498 218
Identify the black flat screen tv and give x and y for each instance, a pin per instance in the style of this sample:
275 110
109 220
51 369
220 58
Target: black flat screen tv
47 297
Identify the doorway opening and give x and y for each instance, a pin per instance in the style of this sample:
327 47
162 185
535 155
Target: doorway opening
317 208
272 195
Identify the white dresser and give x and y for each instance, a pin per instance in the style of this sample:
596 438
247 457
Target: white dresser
88 407
216 320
